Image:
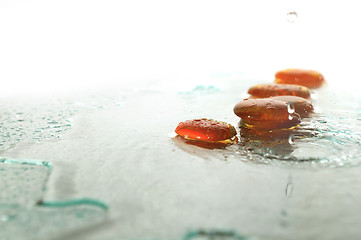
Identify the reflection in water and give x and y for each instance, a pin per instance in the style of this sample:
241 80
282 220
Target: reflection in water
273 144
320 141
284 220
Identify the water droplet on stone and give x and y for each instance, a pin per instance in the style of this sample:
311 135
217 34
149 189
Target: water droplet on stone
290 108
291 17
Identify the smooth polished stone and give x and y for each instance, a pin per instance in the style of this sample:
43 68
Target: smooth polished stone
307 78
301 105
205 130
270 90
266 114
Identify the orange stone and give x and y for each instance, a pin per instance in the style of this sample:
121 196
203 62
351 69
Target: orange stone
307 78
266 114
301 105
206 144
205 130
270 90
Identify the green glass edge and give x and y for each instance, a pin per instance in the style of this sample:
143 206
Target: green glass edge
74 202
210 234
26 161
213 234
54 204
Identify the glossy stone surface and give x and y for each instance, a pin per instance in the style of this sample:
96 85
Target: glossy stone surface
205 144
270 90
301 105
307 78
265 114
205 130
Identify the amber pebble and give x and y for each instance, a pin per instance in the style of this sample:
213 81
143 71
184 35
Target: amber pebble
266 114
205 130
206 144
301 105
270 90
307 78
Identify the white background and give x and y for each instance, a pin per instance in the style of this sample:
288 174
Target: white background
72 44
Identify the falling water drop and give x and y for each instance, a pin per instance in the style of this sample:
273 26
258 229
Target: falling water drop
292 16
291 139
289 187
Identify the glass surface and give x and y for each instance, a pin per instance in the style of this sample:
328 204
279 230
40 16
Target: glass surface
121 150
95 89
24 214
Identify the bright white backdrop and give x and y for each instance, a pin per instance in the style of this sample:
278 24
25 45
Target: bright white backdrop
71 44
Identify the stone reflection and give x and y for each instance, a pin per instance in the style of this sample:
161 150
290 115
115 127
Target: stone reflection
202 144
277 144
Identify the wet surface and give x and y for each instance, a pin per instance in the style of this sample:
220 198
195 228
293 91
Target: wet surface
329 137
304 185
21 120
24 214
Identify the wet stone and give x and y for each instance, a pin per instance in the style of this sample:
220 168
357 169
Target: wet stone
205 130
307 78
266 114
270 90
301 105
